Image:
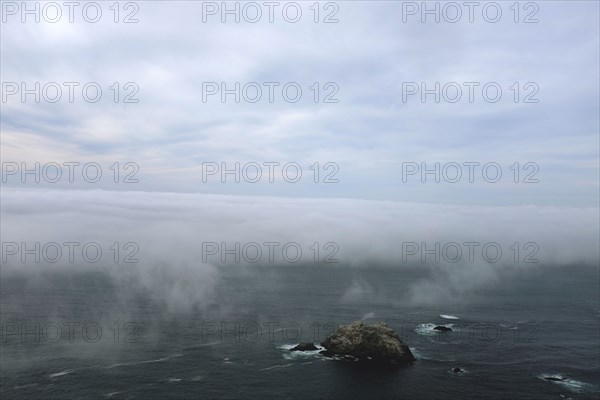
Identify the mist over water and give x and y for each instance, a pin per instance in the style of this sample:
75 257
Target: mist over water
511 334
175 242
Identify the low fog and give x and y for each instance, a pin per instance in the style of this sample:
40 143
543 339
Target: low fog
171 240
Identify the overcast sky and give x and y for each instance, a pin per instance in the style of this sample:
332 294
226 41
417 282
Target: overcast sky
367 135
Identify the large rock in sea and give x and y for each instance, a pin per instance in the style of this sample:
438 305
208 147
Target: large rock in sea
375 343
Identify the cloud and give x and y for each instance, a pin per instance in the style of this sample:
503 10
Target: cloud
169 53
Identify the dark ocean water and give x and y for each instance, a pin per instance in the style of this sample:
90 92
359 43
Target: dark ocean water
507 336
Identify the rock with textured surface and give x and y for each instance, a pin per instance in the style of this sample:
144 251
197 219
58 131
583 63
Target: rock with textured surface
374 343
305 347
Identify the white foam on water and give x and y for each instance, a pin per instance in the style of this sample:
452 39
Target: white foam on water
292 355
25 386
568 383
276 366
417 353
448 316
144 362
61 373
368 316
427 329
203 345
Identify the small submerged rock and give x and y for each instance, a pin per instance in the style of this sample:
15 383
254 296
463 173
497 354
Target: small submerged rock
305 347
372 343
457 370
553 379
442 328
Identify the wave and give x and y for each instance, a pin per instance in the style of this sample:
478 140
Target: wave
111 394
24 386
417 353
368 316
70 371
427 329
568 383
61 373
196 346
448 316
143 362
276 366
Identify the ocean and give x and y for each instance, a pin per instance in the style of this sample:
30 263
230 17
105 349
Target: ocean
87 334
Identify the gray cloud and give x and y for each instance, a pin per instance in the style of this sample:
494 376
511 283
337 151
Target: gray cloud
369 133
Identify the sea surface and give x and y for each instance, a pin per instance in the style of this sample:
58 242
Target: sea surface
86 334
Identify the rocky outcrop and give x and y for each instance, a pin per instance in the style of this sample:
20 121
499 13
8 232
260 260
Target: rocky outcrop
305 347
374 343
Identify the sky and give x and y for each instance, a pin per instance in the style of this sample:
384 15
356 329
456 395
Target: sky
370 135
